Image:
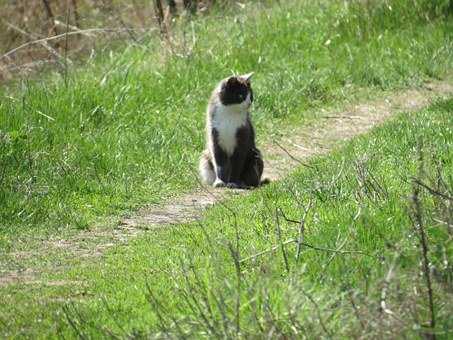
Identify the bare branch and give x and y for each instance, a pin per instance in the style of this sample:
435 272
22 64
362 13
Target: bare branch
431 190
63 35
279 237
264 252
76 13
50 17
420 229
292 157
44 43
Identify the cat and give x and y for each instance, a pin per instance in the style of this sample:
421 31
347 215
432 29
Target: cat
231 158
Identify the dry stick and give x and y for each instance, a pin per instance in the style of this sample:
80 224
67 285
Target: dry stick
383 302
55 37
287 219
419 227
356 310
52 51
292 157
159 16
50 17
76 13
332 257
129 31
279 237
385 287
271 319
72 27
66 45
300 238
306 245
431 190
318 312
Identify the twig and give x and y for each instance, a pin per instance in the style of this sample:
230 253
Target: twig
385 287
160 16
431 190
72 27
300 237
287 219
419 227
332 257
52 51
306 245
279 237
50 17
318 312
76 13
30 65
39 41
66 46
291 156
356 310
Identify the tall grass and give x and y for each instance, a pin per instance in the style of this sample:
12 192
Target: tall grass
342 248
125 128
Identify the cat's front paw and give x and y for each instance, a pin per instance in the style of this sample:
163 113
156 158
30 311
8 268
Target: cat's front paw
218 183
233 185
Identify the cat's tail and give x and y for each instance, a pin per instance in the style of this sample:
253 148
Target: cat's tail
265 181
206 169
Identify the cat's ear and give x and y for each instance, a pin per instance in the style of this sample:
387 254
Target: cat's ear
247 76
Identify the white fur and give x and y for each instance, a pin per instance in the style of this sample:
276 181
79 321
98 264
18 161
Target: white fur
207 175
218 183
227 120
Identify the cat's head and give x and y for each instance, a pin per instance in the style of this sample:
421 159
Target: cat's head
237 90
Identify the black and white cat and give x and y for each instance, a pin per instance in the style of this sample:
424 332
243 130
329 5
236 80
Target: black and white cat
231 158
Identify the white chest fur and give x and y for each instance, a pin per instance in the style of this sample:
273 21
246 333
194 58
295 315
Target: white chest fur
227 120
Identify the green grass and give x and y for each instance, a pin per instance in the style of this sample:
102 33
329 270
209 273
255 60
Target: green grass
103 139
360 201
97 141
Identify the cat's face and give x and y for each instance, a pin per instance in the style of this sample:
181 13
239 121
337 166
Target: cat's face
237 90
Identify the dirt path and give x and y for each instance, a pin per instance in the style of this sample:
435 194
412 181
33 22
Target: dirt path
281 158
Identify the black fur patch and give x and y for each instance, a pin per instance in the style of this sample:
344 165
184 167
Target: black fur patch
245 166
235 91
